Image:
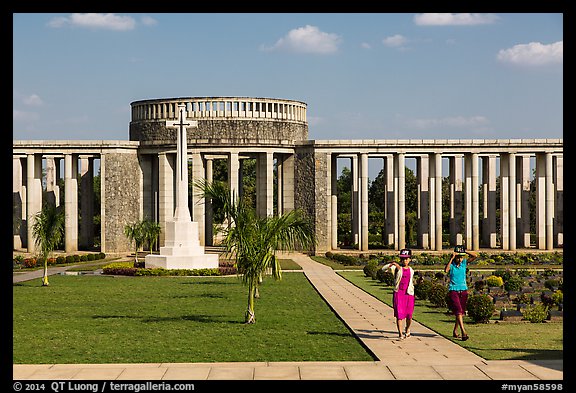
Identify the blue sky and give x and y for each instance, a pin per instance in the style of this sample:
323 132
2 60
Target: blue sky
363 75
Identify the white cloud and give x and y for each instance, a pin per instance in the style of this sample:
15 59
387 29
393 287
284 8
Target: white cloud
98 21
454 19
533 54
395 41
307 39
148 21
23 116
366 45
460 122
33 100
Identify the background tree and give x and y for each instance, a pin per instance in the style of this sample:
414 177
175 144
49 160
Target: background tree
48 232
135 232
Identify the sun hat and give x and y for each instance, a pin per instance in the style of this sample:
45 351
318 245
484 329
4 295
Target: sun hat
460 250
405 253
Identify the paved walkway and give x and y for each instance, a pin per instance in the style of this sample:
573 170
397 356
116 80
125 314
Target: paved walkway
423 356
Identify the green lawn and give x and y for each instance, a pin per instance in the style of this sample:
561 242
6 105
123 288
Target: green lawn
492 341
102 319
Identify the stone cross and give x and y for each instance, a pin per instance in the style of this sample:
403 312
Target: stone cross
181 213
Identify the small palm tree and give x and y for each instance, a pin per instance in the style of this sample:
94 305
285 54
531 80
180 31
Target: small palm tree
253 240
48 232
135 233
152 232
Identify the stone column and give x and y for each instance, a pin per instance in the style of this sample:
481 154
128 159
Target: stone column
70 203
265 184
400 168
549 204
468 197
233 175
198 206
489 201
423 203
33 195
523 196
288 183
334 200
456 185
147 199
559 202
505 201
540 201
475 204
86 202
389 200
209 223
165 192
438 200
52 189
512 204
364 201
355 203
279 185
432 200
19 220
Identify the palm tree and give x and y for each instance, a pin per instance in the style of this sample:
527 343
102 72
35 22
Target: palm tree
253 240
151 233
48 232
135 233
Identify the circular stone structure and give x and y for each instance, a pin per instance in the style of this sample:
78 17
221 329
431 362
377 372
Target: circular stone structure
235 120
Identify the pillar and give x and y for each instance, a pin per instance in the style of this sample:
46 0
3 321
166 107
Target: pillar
432 201
355 203
209 214
523 198
504 201
265 184
475 204
288 183
400 168
86 202
198 206
512 203
438 200
165 192
52 188
489 235
423 202
389 201
456 189
549 203
559 202
17 203
70 203
334 201
233 175
364 201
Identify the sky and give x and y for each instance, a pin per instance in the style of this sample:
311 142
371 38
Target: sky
362 75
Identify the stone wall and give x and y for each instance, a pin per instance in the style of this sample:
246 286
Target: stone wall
310 192
240 131
120 198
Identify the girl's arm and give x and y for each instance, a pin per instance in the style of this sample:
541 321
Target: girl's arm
472 255
447 267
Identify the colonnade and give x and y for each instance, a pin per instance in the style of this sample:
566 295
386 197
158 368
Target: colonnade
158 195
466 225
28 196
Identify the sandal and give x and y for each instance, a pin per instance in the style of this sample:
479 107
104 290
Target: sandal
465 337
407 334
455 335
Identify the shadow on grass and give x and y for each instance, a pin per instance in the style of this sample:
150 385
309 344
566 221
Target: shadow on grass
193 318
530 354
331 334
201 295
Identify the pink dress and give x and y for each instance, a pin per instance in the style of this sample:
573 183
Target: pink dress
403 303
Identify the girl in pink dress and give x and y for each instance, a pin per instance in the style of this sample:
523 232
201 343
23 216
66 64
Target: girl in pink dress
403 296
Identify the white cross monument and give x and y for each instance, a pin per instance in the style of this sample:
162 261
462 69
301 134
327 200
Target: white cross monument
182 249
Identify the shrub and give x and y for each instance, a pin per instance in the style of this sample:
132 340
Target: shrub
557 297
439 275
479 285
29 262
51 261
346 260
480 307
422 289
514 283
83 257
60 259
438 295
101 255
370 269
329 255
494 281
76 257
523 298
120 268
552 284
90 257
69 258
505 274
385 276
535 313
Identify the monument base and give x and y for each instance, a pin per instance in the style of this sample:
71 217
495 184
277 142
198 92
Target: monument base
206 261
182 250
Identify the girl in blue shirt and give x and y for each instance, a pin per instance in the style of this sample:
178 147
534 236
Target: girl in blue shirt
458 289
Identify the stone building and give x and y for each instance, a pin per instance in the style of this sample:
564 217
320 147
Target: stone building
138 177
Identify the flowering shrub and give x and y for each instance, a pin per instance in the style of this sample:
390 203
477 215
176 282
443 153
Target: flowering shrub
29 262
535 313
480 307
494 281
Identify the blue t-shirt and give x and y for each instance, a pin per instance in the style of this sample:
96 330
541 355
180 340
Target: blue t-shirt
458 277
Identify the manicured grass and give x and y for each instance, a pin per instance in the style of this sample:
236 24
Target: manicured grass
102 319
492 341
334 264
